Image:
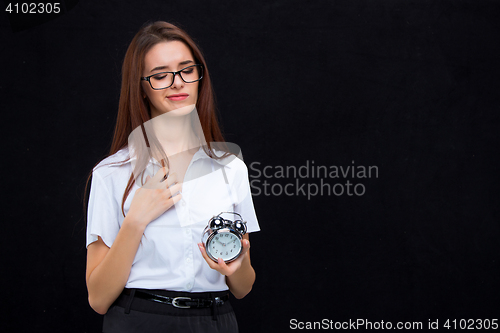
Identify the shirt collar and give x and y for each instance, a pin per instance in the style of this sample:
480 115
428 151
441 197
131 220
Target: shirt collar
199 155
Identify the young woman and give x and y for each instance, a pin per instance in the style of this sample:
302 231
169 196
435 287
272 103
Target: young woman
151 198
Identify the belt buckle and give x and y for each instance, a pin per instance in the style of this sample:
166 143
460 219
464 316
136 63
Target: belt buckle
175 302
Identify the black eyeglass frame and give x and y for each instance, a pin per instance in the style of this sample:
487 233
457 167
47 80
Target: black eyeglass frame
148 78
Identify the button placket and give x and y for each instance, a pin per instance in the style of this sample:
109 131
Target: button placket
188 259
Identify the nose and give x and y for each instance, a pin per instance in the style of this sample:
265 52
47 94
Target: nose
178 82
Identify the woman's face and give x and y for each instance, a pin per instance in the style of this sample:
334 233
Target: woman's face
169 57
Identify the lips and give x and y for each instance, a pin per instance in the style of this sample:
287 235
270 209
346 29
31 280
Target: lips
177 97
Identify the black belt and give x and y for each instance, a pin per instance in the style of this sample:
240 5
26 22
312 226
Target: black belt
180 302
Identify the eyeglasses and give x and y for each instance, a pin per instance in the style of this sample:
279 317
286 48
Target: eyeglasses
164 80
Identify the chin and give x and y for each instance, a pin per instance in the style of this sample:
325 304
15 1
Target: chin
182 111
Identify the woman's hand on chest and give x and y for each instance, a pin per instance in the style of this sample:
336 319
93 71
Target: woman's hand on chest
155 197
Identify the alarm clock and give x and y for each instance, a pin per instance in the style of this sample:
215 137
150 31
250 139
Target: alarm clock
222 237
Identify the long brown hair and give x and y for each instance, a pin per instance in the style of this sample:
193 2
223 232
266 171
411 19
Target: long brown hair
133 109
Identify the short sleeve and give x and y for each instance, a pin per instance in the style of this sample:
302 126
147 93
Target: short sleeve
102 218
244 205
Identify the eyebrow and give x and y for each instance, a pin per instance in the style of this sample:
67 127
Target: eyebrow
185 62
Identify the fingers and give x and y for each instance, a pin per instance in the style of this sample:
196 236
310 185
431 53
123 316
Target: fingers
160 175
171 179
210 262
202 250
222 264
176 198
246 246
204 254
162 180
156 180
174 190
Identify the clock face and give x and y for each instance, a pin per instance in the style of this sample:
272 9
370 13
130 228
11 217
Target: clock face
225 245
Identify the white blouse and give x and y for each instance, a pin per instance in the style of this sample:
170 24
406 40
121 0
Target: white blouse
168 256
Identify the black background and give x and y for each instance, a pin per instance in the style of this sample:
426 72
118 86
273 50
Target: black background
408 86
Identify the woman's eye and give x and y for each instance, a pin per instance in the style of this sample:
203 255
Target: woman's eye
160 77
188 71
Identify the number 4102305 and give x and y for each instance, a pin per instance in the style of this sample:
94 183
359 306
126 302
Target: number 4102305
470 324
33 8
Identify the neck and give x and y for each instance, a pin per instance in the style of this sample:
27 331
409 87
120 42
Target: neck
174 131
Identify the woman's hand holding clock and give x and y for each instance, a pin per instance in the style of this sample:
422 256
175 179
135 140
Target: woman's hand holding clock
220 266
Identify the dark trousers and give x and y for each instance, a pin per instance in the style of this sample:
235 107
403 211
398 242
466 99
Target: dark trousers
130 315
